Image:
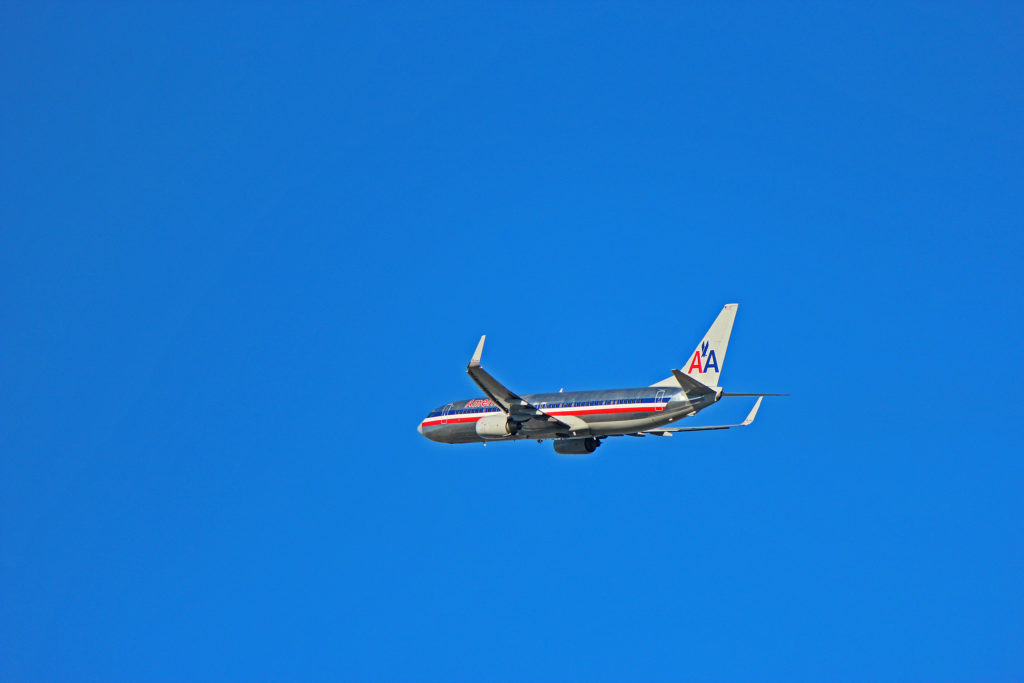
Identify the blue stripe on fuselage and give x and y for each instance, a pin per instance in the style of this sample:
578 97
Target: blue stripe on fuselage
571 399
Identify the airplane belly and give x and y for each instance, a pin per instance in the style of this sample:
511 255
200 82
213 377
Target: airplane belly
464 432
637 422
595 424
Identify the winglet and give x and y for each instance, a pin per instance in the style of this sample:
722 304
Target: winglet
753 412
475 362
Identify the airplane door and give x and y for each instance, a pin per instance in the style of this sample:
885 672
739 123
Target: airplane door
658 399
444 414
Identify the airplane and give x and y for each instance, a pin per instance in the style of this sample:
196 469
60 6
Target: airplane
578 421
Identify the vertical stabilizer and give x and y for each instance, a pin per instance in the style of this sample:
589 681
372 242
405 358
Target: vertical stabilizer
705 363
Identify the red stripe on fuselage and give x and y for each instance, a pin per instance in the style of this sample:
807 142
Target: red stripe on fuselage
594 411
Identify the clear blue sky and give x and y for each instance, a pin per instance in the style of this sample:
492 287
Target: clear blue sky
245 248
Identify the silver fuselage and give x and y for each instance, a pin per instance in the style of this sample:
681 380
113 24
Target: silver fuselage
605 413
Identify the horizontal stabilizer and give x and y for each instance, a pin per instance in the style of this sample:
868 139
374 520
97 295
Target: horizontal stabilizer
691 386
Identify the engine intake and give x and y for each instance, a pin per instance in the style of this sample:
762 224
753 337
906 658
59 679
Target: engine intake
496 427
580 446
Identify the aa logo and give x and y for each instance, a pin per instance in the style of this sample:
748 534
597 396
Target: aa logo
703 360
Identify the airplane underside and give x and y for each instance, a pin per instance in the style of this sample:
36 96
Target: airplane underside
596 426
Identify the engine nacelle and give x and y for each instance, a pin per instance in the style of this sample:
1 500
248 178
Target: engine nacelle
495 427
580 446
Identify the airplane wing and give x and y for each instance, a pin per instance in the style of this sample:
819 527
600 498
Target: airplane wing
668 431
517 408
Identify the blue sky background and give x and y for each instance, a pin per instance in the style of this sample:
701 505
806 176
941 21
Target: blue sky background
245 248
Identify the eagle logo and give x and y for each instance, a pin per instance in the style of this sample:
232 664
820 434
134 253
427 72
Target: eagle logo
703 359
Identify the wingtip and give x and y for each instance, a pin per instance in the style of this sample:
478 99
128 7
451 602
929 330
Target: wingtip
753 411
475 361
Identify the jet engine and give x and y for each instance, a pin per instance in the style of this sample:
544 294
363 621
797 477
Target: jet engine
496 427
576 446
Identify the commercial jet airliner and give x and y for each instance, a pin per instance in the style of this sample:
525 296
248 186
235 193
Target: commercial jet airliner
578 421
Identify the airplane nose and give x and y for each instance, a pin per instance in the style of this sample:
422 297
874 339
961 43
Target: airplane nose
419 428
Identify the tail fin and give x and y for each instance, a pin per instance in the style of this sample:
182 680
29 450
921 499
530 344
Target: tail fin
706 361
